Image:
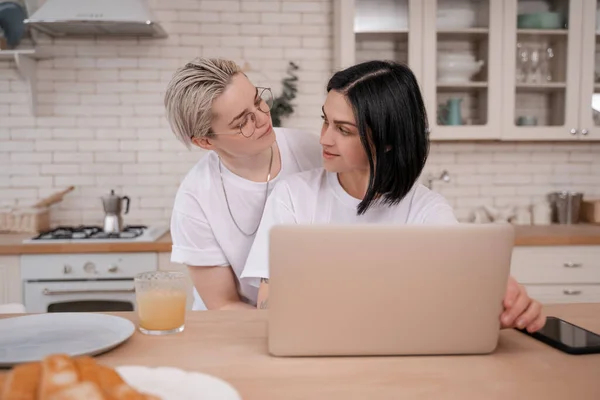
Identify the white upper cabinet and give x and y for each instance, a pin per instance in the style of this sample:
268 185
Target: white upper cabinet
542 50
589 104
378 29
489 69
461 57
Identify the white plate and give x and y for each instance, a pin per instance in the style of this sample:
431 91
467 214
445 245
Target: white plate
176 384
32 337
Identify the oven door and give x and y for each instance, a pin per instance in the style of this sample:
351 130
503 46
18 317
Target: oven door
80 296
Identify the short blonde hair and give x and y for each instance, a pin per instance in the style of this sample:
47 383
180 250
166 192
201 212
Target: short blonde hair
191 93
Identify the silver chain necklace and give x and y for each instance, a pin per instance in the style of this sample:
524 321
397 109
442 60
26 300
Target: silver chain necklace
264 202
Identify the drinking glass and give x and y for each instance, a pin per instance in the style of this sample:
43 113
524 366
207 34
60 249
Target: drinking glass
161 300
522 63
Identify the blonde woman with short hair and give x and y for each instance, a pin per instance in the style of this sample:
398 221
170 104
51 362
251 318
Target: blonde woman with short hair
211 104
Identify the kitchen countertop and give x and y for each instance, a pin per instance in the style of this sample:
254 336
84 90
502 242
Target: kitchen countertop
232 345
12 244
553 235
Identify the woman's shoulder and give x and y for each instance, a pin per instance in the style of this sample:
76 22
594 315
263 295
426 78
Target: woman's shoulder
429 206
198 180
312 178
302 184
427 196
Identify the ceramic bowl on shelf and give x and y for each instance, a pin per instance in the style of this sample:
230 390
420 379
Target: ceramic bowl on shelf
457 71
456 56
457 18
541 20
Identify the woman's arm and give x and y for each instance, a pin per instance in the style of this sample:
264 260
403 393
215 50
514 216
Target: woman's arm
279 210
217 287
263 294
194 245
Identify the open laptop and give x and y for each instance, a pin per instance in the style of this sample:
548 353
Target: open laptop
340 290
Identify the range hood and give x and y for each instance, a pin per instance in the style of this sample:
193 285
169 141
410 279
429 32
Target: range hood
59 18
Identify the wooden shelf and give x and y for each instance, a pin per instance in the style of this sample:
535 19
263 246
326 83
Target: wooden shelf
383 31
462 85
11 54
541 87
543 32
464 31
382 35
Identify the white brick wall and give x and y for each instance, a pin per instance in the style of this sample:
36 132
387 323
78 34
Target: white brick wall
101 122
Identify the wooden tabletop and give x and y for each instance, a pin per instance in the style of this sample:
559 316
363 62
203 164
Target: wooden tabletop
232 345
553 235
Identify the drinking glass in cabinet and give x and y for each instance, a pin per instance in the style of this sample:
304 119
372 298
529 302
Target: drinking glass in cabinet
541 61
534 63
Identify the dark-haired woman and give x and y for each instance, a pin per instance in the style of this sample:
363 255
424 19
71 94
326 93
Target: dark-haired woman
375 145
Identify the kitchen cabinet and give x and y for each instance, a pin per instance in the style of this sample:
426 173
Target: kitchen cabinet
10 280
381 29
524 84
589 109
542 78
559 274
461 63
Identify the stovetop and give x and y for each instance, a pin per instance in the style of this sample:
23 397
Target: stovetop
87 234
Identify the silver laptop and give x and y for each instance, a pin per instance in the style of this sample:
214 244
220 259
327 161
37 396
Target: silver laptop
340 290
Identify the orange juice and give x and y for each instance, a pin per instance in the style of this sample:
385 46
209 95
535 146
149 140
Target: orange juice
161 309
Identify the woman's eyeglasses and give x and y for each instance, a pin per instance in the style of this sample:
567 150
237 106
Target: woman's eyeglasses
248 125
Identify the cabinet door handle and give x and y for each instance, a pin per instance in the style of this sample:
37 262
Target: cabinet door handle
48 292
571 292
584 132
572 265
573 131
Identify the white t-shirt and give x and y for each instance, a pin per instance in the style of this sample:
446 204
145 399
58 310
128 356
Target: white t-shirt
202 230
316 197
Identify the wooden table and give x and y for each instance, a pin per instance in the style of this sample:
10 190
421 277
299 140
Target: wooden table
232 345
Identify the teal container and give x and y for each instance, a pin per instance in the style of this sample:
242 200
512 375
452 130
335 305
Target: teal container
541 20
450 113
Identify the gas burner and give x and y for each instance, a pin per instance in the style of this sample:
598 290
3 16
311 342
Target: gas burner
90 232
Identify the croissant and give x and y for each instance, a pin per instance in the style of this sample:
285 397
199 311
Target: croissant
60 377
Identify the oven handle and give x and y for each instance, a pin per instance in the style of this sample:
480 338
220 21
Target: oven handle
48 292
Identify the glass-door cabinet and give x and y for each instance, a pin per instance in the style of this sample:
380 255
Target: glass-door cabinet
589 105
542 44
462 59
367 30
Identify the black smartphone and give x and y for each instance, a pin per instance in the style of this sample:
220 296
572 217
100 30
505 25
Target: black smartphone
567 337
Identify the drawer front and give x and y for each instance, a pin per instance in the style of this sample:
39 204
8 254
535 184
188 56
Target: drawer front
549 294
561 264
86 266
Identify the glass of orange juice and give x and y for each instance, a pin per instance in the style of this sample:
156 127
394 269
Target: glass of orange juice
161 300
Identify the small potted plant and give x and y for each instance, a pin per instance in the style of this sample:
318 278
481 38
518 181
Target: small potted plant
282 104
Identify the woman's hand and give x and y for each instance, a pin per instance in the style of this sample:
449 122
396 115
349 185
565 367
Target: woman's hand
521 311
263 294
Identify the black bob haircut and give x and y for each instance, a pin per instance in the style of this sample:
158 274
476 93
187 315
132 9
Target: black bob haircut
392 124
